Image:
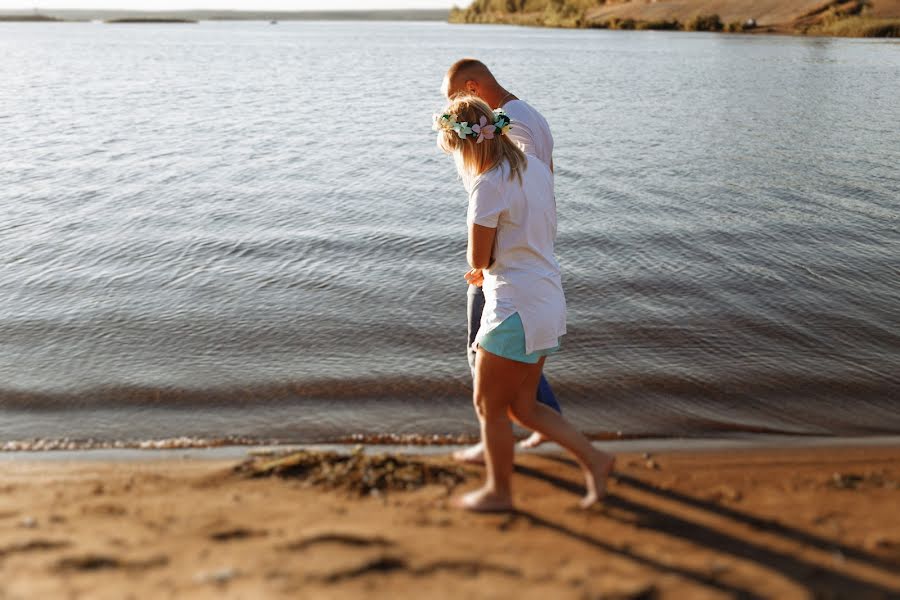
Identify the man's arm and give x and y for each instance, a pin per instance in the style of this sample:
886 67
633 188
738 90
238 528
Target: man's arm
481 246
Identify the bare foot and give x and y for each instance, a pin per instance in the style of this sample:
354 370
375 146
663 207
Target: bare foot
484 500
472 455
535 440
595 480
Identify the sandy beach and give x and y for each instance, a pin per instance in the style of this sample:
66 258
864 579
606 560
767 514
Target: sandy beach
749 523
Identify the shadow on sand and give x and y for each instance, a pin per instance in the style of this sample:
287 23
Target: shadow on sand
818 580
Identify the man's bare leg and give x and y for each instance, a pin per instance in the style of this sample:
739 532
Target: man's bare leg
474 306
534 440
474 454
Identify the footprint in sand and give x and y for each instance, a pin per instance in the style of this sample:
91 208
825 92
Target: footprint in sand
33 546
371 559
106 509
341 555
236 533
345 539
98 562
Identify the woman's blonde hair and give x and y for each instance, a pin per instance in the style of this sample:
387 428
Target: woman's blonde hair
474 158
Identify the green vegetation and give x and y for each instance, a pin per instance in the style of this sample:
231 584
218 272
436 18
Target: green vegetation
672 25
631 24
704 23
698 23
568 13
849 18
738 26
858 27
547 13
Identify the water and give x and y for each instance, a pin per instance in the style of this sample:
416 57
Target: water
233 229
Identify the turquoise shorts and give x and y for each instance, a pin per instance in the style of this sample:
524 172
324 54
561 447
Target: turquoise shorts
508 340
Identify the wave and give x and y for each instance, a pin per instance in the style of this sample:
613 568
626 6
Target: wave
752 387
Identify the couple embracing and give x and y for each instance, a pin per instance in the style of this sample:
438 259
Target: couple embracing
517 311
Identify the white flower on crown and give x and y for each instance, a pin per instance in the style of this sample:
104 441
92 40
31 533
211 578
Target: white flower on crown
483 130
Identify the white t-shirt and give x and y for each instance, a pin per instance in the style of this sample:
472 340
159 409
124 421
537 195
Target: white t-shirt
524 276
529 130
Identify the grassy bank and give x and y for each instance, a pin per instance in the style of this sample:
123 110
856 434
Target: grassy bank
858 27
857 18
546 13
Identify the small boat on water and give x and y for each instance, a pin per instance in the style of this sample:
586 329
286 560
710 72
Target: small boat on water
273 22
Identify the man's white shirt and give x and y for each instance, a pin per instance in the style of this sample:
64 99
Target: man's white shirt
529 130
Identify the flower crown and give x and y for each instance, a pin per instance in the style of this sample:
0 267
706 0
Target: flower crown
482 130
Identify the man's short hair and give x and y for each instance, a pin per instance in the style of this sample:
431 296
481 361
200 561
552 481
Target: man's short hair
469 65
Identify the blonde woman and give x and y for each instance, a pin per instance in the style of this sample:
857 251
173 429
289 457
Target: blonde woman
512 229
532 135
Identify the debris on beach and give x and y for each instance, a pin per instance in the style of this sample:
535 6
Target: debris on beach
179 443
844 481
854 481
355 472
28 522
724 493
219 576
408 439
463 439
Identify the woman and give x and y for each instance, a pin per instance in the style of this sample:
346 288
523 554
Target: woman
512 228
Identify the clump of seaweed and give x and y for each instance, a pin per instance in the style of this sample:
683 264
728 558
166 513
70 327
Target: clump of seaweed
355 472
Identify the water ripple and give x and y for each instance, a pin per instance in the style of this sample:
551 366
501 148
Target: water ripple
251 228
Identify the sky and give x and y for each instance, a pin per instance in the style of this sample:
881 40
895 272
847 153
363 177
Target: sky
232 4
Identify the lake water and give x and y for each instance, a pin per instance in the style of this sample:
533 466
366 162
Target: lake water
237 229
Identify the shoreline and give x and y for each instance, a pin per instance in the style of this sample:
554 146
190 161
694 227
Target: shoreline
755 523
641 27
761 442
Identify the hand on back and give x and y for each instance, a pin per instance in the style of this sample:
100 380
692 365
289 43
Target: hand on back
475 277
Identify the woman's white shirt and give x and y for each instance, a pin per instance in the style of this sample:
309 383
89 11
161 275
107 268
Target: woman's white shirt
524 276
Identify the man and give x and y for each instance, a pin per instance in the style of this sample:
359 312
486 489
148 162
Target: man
531 133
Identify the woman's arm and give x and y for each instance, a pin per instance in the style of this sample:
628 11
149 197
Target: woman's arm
481 246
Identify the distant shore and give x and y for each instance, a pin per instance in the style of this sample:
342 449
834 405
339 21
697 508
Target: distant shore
189 16
779 523
848 18
842 18
27 18
134 21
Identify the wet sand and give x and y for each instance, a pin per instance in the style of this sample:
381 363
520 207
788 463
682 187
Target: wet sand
773 523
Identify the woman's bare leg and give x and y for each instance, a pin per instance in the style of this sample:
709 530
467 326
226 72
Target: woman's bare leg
498 381
596 464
